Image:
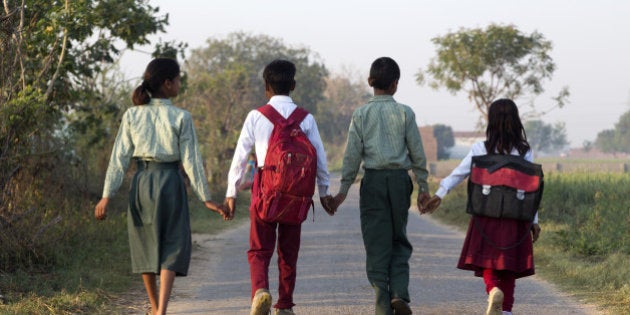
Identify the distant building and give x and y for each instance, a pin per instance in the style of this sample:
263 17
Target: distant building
463 142
429 143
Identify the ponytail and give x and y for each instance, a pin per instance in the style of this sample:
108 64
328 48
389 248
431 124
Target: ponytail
141 94
158 71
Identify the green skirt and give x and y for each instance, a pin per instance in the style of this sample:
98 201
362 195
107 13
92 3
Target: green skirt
158 219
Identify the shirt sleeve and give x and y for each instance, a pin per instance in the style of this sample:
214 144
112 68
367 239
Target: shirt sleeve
120 158
416 152
323 177
191 158
244 145
353 154
458 174
529 156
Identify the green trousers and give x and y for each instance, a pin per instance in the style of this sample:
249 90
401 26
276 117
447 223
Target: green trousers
385 198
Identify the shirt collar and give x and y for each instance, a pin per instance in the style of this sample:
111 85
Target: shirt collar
382 98
161 101
280 99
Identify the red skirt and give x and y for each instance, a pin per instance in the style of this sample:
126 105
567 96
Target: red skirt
499 244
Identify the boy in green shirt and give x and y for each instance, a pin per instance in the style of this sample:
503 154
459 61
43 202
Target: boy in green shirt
383 134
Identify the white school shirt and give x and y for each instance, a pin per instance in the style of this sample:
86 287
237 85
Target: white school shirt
256 133
463 170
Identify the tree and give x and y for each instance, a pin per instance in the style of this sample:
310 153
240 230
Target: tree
617 139
445 139
345 92
495 62
51 53
543 137
225 83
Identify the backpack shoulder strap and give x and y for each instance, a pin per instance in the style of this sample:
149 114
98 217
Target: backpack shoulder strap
298 115
271 114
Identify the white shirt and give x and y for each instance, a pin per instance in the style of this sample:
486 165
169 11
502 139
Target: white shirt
463 170
256 133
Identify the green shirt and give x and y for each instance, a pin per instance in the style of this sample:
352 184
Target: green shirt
159 132
384 135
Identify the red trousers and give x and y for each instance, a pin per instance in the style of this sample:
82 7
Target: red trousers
262 240
504 280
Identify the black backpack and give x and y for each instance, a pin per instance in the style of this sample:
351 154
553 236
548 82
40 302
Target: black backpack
504 186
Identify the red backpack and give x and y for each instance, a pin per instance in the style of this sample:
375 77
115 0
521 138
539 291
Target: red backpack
287 182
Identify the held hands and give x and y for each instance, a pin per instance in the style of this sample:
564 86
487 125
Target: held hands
331 203
428 204
219 208
327 203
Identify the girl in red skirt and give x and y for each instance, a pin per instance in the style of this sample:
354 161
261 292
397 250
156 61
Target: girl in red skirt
499 250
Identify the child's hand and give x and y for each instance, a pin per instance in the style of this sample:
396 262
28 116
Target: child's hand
100 211
421 201
338 200
328 204
535 232
432 204
230 205
219 208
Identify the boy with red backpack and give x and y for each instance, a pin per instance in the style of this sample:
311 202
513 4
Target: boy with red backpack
291 159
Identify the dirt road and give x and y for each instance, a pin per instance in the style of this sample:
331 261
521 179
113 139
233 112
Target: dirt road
331 274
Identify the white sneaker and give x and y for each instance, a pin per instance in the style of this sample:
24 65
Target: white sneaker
507 313
495 302
261 303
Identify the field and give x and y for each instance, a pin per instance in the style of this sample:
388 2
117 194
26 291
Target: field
585 218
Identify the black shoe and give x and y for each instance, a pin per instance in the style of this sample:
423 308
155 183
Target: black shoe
400 306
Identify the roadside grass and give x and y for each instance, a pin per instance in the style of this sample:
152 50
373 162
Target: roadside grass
91 272
584 247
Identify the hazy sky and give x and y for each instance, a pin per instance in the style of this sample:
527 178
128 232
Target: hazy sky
591 45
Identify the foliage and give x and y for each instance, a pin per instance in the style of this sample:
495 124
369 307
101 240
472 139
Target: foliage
617 139
594 208
543 137
225 83
344 93
491 63
50 101
445 139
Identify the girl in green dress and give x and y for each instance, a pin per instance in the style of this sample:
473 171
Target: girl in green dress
160 138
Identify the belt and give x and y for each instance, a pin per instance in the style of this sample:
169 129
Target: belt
385 170
154 165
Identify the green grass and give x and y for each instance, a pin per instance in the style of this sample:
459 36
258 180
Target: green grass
91 270
584 246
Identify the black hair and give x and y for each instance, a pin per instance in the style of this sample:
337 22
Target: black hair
158 71
383 73
505 131
280 76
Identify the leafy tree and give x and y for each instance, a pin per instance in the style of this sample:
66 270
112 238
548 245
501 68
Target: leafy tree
225 83
51 53
445 139
543 137
495 62
344 93
617 139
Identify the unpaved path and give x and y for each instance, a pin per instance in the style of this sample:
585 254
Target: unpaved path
331 274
